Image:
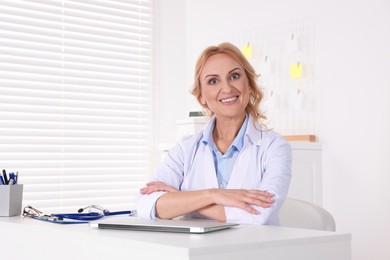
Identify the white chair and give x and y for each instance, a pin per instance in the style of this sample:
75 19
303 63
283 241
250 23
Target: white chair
302 214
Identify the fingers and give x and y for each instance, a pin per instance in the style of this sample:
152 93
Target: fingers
249 209
259 198
147 190
156 186
244 199
152 183
261 194
256 199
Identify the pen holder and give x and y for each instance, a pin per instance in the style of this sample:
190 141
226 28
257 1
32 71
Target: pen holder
11 197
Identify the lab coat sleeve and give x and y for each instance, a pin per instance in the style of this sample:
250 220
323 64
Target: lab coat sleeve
276 176
169 172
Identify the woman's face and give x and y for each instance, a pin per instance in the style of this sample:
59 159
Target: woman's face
224 86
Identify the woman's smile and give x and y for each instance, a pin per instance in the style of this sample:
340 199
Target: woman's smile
229 100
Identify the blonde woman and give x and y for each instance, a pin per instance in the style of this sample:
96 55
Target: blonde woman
235 170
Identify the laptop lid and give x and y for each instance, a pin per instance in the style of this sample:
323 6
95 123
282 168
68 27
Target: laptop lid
175 225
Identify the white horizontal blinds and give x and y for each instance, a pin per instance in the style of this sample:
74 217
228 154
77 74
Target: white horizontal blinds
75 100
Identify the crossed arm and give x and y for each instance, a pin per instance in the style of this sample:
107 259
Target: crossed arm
208 202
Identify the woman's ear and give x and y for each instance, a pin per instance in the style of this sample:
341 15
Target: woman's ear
202 101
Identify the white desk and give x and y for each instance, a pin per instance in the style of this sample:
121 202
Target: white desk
25 238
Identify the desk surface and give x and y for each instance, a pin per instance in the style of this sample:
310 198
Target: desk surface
244 240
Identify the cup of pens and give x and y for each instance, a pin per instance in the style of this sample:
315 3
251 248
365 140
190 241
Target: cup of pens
11 195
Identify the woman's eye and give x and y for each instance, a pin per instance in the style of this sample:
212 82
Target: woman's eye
235 76
213 81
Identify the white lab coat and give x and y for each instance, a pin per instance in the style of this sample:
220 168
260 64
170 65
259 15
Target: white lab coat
264 163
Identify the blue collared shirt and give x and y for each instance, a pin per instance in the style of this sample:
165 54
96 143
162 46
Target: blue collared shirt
224 163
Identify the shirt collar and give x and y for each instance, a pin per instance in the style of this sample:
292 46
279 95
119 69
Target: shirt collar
207 134
238 142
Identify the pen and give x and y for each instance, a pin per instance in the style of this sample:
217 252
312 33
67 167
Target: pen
11 178
2 180
5 177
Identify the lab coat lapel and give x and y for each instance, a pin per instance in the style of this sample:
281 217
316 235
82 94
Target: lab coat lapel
201 171
207 159
209 169
240 170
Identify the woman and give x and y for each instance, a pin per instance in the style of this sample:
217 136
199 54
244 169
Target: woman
234 170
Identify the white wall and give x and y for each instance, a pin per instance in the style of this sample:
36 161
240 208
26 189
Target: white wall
352 64
170 86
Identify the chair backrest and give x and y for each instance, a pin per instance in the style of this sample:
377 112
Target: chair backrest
302 214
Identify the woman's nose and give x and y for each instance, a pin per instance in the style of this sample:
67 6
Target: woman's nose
226 86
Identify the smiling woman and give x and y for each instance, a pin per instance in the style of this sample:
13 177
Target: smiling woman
234 170
224 84
245 69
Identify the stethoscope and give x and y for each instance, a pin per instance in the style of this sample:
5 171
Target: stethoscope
74 218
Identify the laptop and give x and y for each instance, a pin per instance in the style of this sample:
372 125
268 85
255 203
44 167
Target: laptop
160 225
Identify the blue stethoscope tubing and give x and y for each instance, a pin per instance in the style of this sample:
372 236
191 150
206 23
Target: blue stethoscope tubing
91 215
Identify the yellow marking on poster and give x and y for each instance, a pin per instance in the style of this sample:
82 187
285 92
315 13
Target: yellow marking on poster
296 70
247 51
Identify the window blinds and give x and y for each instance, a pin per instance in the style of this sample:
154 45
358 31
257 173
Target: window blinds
75 100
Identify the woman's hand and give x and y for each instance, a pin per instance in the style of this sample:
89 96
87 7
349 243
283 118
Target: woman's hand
156 186
244 199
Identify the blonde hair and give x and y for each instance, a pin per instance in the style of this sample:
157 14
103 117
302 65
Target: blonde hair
255 96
